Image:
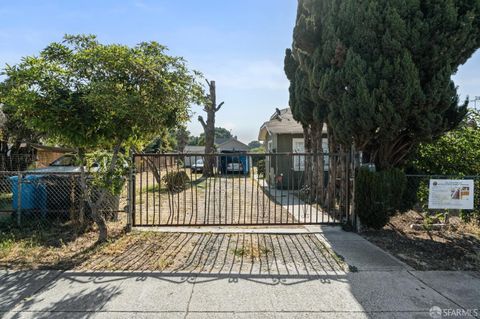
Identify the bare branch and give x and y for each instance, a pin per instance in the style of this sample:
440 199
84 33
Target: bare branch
208 82
200 119
219 106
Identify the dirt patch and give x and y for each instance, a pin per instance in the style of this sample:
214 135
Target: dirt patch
223 199
456 247
296 254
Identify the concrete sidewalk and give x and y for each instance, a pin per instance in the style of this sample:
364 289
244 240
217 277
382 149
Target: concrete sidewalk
378 286
365 294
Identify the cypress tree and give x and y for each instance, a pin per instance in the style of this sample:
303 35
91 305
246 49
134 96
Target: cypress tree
379 71
306 111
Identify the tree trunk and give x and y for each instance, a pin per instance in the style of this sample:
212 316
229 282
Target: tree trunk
209 128
96 214
97 217
209 141
332 171
342 184
317 130
309 173
391 154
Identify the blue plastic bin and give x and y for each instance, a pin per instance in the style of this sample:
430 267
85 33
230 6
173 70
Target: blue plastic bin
34 193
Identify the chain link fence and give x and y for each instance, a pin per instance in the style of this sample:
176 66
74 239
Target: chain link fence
41 199
17 162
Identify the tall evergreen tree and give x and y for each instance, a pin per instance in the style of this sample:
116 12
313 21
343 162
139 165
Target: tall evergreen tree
311 116
381 70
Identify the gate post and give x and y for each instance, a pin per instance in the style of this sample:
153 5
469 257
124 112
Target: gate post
19 199
131 195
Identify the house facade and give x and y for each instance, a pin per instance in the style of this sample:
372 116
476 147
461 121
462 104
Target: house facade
282 137
194 150
224 145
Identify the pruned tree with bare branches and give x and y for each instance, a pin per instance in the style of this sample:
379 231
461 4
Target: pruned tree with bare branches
211 108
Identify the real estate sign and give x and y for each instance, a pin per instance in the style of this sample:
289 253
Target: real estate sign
450 194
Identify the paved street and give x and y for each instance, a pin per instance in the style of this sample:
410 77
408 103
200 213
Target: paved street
378 287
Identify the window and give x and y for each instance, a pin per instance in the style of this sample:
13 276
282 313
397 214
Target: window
66 160
298 146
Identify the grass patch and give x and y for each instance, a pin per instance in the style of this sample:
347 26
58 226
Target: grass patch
56 245
239 252
6 201
163 264
251 252
152 189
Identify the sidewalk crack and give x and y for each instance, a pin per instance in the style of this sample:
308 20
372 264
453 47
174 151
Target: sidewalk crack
190 298
437 291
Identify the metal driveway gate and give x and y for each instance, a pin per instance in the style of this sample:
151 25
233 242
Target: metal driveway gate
241 189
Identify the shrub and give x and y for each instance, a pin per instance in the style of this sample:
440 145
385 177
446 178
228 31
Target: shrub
378 195
261 167
457 153
176 181
473 215
395 182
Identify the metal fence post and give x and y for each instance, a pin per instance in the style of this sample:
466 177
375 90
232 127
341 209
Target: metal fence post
130 189
353 168
19 199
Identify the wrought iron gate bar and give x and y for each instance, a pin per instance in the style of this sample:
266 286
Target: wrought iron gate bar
243 189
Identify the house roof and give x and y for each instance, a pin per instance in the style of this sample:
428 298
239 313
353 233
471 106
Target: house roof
281 122
232 144
194 149
55 149
221 140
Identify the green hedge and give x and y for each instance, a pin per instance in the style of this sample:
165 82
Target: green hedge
378 195
473 215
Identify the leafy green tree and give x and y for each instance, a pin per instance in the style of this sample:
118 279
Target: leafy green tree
164 142
455 153
181 138
169 141
13 133
193 140
93 96
220 132
381 70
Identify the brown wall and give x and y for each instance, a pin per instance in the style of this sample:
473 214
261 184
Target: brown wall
44 158
283 164
284 142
